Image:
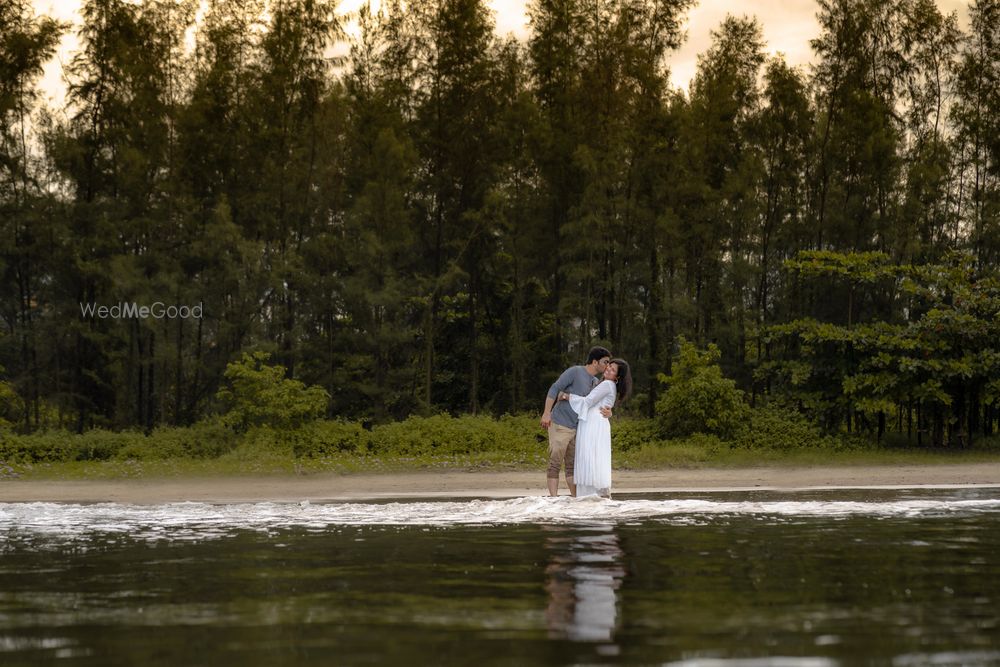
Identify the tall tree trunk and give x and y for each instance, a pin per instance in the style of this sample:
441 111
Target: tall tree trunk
179 375
473 339
653 323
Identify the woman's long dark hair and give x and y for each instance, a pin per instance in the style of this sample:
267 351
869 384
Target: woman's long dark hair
624 379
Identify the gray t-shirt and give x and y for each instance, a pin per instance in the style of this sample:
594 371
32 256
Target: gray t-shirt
574 380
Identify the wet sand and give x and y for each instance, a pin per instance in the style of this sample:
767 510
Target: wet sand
459 484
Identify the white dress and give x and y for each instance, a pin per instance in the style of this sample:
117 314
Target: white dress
592 469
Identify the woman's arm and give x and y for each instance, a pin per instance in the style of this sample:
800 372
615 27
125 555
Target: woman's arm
582 404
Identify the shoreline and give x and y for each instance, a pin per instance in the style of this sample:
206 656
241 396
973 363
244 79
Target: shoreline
489 484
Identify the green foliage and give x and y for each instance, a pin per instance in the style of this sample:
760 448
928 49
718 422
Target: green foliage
204 440
698 398
11 406
323 438
37 447
781 429
943 354
259 394
208 439
443 220
694 450
856 267
440 441
629 433
438 435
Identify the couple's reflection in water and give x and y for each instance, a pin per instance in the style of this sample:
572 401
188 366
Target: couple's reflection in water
584 572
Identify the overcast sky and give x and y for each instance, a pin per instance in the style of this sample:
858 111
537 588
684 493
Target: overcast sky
788 26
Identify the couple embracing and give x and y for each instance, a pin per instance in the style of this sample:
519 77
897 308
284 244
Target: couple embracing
576 414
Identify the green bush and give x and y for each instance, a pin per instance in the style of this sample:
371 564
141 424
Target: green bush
685 452
102 445
780 428
258 394
518 437
989 443
52 446
323 438
205 440
444 435
265 444
628 434
45 446
201 441
698 398
11 405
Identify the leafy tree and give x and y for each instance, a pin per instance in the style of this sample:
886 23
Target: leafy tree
782 134
287 105
926 216
718 190
939 358
12 408
455 139
371 330
860 73
442 219
26 42
114 154
221 267
977 128
698 398
554 49
258 394
603 149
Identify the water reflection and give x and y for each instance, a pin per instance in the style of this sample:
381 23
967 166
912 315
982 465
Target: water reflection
814 579
583 575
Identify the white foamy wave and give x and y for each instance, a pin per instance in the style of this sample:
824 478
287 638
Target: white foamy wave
199 520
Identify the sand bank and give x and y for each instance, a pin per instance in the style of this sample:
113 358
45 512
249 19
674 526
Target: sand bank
492 484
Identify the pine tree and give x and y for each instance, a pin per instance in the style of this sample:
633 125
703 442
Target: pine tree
456 142
977 126
27 228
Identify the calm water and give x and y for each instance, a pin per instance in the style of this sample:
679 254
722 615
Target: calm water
834 578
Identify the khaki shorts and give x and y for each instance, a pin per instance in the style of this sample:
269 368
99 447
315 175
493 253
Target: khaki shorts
562 449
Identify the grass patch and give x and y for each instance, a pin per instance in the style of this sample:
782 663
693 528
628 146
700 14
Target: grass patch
438 442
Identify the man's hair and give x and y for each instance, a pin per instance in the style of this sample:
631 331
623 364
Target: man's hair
597 353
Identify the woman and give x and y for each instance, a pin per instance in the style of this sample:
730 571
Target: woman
593 435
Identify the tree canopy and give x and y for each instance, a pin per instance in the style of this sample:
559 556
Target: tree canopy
443 219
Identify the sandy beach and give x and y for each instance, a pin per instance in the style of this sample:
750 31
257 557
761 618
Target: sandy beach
460 484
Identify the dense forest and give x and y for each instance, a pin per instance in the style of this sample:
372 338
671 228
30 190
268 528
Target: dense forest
443 219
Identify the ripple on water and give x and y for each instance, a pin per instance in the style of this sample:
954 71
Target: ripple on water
179 521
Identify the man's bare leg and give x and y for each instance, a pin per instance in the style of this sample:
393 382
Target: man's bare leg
572 486
553 486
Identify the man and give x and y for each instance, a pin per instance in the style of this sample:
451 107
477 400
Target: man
561 421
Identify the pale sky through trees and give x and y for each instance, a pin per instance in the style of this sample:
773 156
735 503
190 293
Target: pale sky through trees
788 26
